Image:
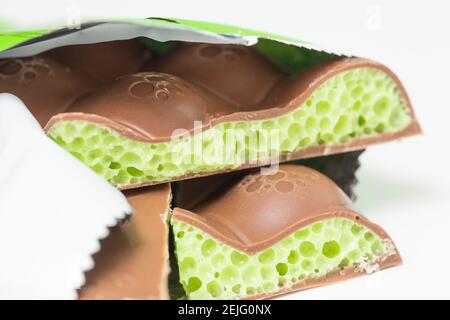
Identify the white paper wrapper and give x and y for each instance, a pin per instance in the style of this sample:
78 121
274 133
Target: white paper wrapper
53 211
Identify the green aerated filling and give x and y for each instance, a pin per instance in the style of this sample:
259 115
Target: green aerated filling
357 103
209 269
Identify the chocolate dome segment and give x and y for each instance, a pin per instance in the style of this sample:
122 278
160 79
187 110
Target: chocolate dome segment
234 247
299 86
104 61
133 260
190 193
154 104
238 74
46 86
271 204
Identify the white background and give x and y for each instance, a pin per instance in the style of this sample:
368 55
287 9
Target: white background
404 186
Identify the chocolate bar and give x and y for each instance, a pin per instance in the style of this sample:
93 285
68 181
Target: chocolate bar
133 262
266 235
206 109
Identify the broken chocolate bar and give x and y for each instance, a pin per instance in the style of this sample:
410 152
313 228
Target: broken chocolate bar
226 107
133 262
265 235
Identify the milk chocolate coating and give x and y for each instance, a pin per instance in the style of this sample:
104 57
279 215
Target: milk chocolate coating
153 104
133 260
341 168
103 61
191 192
46 86
136 99
238 74
256 211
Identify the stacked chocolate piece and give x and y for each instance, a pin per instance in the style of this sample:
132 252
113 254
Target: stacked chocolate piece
213 124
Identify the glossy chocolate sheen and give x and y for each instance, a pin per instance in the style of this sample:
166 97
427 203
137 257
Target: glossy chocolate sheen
46 86
136 100
341 168
257 211
238 74
153 104
191 192
104 61
133 260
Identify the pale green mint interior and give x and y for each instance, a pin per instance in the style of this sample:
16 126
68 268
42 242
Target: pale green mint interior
210 269
357 103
